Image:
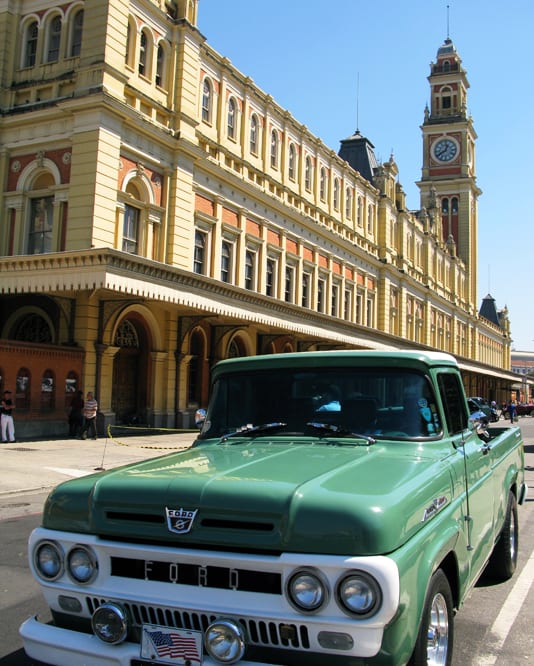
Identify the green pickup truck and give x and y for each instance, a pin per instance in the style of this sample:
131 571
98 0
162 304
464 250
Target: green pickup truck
336 508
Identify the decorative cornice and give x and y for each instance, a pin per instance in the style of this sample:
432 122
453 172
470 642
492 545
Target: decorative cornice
113 272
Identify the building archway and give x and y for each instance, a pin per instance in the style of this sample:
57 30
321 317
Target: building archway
129 392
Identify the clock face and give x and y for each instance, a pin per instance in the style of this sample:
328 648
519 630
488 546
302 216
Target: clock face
445 150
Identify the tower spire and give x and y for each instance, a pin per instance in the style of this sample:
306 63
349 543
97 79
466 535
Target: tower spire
448 33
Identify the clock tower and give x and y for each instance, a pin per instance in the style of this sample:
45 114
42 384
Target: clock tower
448 183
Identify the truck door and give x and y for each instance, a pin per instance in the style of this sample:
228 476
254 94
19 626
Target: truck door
473 471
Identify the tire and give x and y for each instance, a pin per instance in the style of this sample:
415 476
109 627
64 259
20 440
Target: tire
435 637
503 560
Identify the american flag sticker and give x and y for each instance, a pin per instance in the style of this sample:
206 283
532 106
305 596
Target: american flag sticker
167 645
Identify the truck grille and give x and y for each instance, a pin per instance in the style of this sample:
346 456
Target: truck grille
262 633
222 578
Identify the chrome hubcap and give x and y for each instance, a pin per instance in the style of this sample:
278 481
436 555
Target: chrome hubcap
438 632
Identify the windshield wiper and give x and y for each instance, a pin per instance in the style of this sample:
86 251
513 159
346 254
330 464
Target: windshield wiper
254 430
340 432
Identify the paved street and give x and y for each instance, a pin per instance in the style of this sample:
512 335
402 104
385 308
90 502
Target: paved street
492 629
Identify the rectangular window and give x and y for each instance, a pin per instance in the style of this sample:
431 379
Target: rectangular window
130 229
306 281
347 305
53 40
250 270
370 311
199 256
226 262
31 45
335 301
41 216
359 307
270 278
453 400
321 292
290 284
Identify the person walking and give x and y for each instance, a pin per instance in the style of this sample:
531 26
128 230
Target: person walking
89 411
7 425
511 411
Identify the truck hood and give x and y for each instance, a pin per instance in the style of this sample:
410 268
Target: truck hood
263 495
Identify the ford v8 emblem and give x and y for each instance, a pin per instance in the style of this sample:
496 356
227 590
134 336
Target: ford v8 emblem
180 521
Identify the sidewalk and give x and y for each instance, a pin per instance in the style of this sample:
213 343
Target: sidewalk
36 465
32 466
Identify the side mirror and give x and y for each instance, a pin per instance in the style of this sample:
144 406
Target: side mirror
478 421
200 417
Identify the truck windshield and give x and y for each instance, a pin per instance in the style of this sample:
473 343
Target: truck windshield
382 403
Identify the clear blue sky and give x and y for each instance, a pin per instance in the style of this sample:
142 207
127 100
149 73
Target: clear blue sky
310 54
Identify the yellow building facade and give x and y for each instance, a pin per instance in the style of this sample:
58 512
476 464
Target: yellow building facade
160 212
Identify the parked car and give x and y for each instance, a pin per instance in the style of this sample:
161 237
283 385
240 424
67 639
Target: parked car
483 405
521 409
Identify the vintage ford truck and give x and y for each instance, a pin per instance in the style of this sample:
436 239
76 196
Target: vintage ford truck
336 509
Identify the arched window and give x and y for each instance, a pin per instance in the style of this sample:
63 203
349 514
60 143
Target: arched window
30 44
48 390
446 98
236 348
128 43
72 384
360 212
254 134
348 203
454 206
206 101
76 34
126 335
22 389
322 184
292 161
231 120
144 54
160 67
274 149
308 173
54 39
370 219
32 327
336 193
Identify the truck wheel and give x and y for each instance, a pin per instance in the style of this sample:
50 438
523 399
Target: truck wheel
436 631
503 560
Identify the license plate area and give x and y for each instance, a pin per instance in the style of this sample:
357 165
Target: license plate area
168 645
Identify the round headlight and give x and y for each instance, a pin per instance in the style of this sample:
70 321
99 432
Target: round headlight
110 623
81 564
359 594
225 641
48 560
306 590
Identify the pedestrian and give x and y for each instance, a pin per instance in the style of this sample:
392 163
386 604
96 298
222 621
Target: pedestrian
511 411
89 411
76 415
6 418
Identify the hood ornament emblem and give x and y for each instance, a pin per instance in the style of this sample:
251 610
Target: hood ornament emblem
180 521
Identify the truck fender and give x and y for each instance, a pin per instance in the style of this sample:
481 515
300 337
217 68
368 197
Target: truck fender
437 553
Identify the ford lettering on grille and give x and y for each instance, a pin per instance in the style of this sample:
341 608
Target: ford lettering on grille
187 573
